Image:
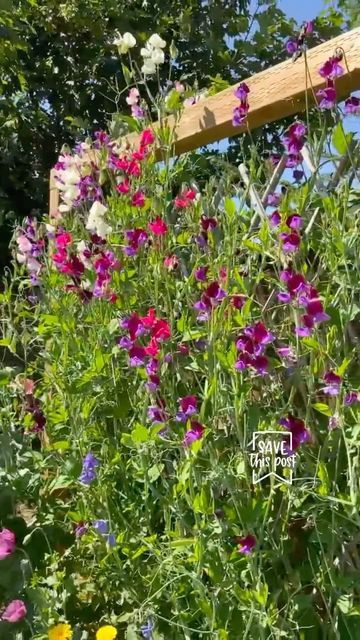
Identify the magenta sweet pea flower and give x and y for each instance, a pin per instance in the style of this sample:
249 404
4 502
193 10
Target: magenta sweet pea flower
138 199
331 68
137 355
188 406
327 97
315 309
240 114
196 432
298 430
290 242
7 543
352 397
333 385
294 221
275 219
246 544
238 300
158 227
14 611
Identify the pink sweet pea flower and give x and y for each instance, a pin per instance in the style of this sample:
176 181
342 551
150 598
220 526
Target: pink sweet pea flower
291 242
7 543
147 138
14 612
138 199
158 227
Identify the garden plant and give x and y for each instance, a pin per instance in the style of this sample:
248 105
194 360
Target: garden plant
150 330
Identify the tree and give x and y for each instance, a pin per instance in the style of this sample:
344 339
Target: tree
58 65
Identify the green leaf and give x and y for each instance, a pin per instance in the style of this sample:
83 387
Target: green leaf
155 472
322 408
340 140
127 74
140 434
323 475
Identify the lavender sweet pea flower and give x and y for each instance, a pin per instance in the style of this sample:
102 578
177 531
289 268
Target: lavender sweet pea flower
291 46
101 526
88 473
352 106
241 92
333 384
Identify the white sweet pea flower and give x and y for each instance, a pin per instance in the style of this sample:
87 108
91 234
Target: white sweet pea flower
156 42
148 67
146 51
96 222
125 42
158 56
97 209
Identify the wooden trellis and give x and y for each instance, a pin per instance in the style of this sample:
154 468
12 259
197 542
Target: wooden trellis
275 93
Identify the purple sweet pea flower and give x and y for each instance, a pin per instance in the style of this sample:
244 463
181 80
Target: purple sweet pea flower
196 432
291 46
241 92
291 242
298 430
328 98
275 219
294 222
101 526
333 385
200 273
240 114
88 473
188 406
246 544
352 106
352 397
331 69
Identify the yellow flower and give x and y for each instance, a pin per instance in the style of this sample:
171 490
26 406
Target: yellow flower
60 632
108 632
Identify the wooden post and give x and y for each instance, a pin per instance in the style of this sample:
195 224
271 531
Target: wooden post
275 93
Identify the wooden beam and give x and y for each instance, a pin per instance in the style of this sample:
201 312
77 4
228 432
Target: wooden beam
275 93
278 92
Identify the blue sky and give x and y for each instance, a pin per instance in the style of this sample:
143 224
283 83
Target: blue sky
302 9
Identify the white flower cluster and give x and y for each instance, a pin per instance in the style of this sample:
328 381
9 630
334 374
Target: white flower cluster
152 54
71 168
96 223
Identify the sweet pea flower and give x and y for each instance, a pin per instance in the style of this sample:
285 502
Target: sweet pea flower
291 242
200 273
147 630
188 406
156 41
14 611
138 199
331 68
352 106
7 543
238 300
241 92
133 97
88 473
275 219
328 97
333 383
298 430
171 262
291 46
158 227
124 43
195 432
294 221
352 397
246 544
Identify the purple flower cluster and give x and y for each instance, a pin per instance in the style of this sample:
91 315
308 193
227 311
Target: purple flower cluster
330 70
210 298
240 112
251 346
306 296
295 45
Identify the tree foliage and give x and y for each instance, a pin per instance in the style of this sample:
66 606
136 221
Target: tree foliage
60 76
